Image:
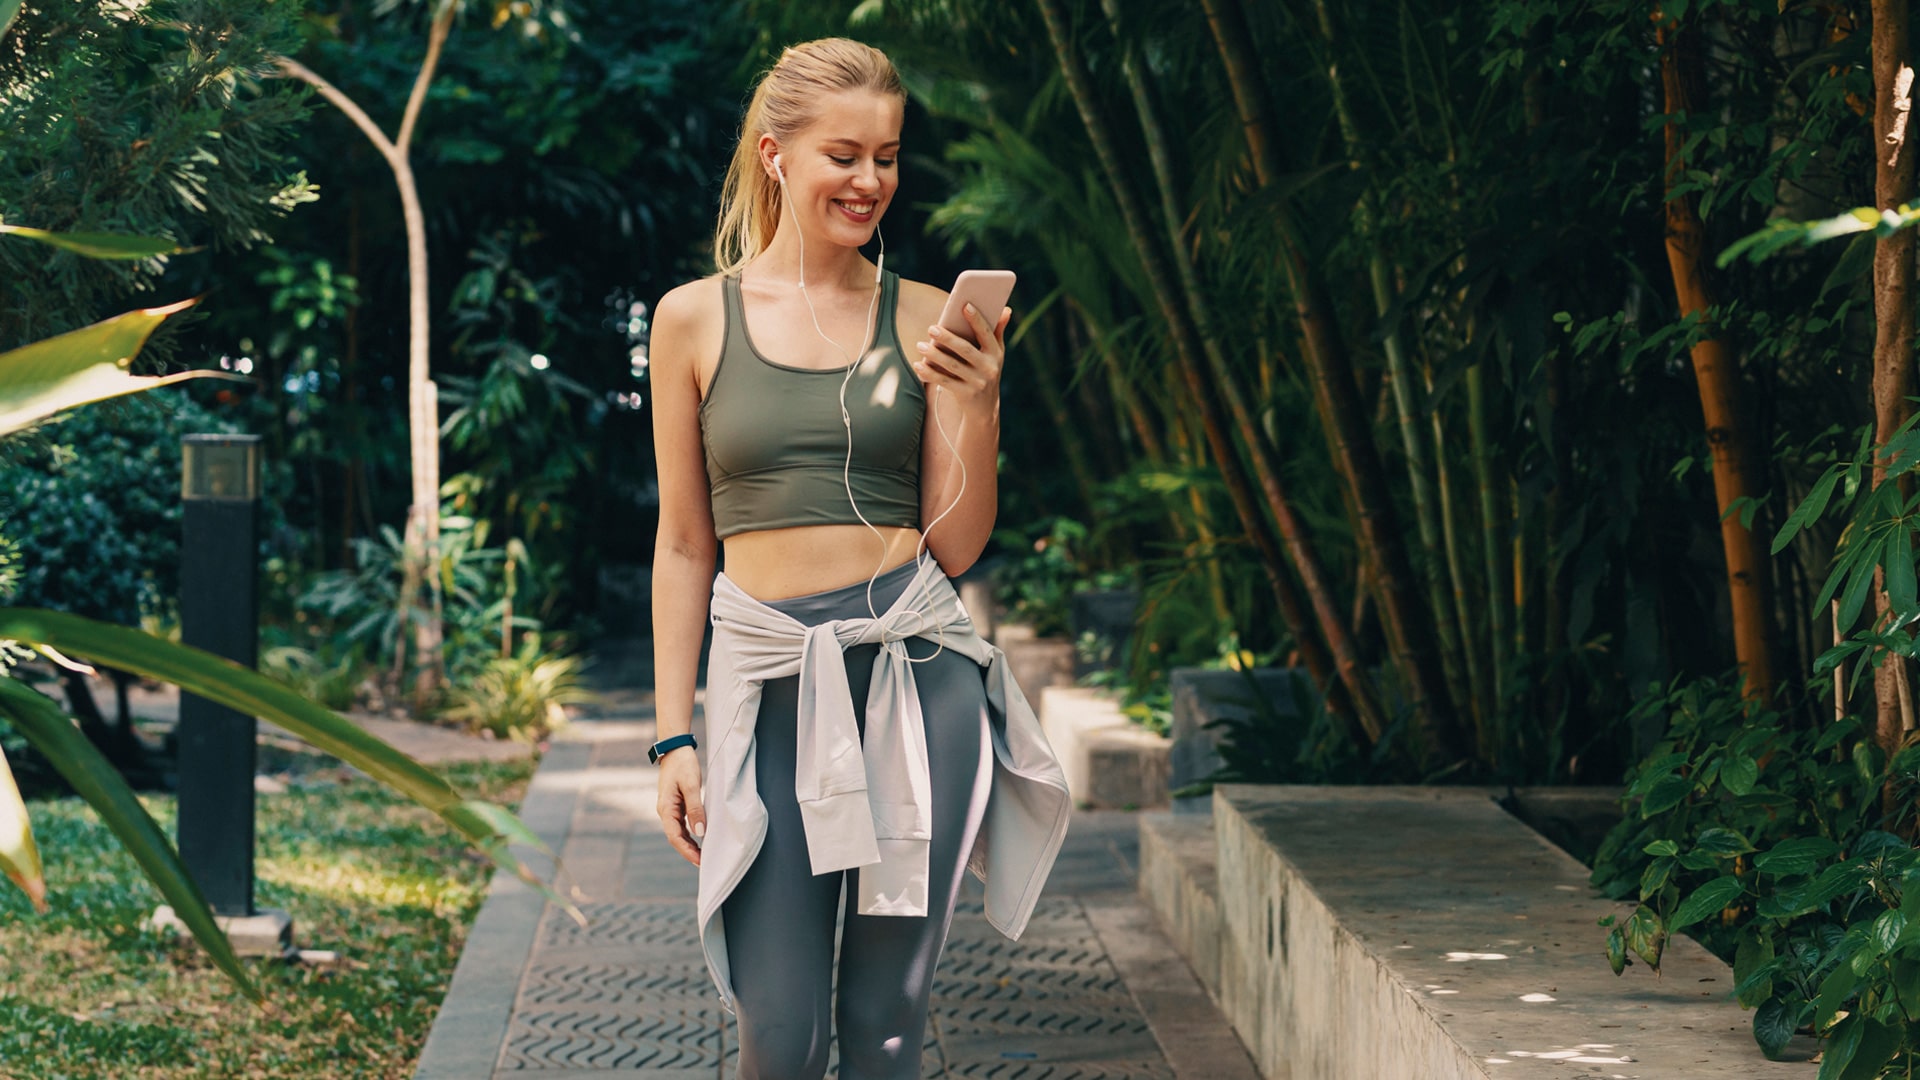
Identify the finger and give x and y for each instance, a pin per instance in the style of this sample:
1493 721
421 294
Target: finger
949 343
1000 328
684 846
934 373
982 329
940 361
696 817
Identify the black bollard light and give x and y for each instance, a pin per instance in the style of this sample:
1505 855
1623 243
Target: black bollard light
219 612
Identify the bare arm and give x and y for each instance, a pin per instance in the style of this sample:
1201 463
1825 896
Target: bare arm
683 555
966 404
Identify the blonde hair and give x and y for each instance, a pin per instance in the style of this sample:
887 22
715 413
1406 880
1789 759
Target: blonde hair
783 103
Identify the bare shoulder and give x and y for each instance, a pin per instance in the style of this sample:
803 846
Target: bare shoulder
688 324
920 305
689 307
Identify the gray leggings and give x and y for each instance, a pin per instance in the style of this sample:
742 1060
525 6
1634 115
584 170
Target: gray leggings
780 918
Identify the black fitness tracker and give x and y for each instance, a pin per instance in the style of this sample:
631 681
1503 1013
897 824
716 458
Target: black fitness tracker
659 749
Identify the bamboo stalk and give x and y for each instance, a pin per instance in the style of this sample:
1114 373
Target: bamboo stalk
1399 377
1356 459
1457 573
1226 457
1259 450
1716 369
1493 549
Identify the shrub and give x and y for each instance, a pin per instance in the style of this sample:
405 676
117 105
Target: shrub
522 696
1767 842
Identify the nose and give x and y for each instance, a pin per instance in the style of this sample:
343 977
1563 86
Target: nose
867 180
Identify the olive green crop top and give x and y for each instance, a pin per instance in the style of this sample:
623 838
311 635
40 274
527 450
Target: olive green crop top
775 444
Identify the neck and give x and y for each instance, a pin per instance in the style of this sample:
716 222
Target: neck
828 265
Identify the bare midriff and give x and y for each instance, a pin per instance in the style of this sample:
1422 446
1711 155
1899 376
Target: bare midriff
779 564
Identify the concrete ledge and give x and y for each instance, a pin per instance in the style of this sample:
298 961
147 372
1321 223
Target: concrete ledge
1036 662
1179 882
1425 932
1203 696
1111 762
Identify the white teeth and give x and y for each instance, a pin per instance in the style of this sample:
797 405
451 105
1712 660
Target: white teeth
858 208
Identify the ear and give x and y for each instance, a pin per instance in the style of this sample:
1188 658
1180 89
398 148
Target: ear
768 148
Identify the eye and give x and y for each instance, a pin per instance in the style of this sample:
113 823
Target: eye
843 161
887 164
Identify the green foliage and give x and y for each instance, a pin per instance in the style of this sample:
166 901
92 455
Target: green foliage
1035 580
333 685
522 696
1766 841
156 121
100 500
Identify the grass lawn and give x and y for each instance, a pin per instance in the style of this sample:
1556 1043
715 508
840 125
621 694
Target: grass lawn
85 993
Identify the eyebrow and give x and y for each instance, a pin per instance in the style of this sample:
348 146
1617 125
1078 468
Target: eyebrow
856 143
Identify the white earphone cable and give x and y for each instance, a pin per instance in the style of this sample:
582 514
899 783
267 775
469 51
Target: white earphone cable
893 638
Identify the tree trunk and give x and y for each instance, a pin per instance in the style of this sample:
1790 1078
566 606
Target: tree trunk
1226 456
1892 306
1356 460
1717 371
423 419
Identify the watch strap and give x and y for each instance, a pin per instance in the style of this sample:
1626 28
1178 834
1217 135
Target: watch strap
661 748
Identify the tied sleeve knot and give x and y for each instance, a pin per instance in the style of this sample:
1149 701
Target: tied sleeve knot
865 804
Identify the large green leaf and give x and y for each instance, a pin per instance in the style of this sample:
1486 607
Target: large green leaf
41 723
88 364
94 245
8 9
19 859
1706 900
246 691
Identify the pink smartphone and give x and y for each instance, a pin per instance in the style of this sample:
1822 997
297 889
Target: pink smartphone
986 290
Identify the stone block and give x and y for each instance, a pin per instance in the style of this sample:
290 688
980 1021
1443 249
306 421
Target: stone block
1179 881
1107 614
1036 662
1204 695
1110 761
1425 932
976 595
266 932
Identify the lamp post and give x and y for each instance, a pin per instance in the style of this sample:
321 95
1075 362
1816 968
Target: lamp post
219 612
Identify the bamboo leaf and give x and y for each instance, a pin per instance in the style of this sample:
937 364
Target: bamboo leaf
41 723
1809 509
1857 591
1900 583
9 9
96 245
85 365
19 858
246 691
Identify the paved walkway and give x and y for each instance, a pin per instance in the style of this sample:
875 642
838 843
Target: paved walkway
1092 989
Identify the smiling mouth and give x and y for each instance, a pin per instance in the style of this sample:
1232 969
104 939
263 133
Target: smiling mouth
857 209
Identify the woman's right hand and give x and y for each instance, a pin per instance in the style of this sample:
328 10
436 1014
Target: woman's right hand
682 817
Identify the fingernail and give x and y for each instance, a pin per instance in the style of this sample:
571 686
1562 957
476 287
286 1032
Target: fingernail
699 830
921 345
970 309
933 330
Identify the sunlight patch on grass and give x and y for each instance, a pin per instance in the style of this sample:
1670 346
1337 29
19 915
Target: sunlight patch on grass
87 993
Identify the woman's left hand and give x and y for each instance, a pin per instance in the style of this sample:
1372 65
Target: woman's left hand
971 373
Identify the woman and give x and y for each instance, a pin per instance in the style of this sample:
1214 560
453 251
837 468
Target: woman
860 733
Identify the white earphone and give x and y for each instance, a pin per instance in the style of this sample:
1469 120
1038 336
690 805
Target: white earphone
893 642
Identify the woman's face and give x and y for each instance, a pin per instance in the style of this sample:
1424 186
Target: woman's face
842 168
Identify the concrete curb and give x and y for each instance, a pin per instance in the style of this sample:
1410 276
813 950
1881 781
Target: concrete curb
471 1028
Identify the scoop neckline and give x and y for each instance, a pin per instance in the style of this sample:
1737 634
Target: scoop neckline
746 335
